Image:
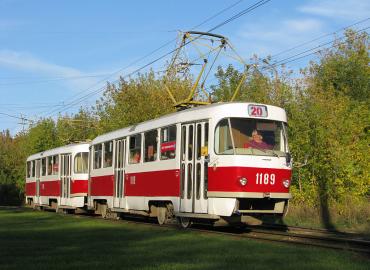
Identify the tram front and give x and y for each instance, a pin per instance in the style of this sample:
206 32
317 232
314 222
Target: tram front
251 165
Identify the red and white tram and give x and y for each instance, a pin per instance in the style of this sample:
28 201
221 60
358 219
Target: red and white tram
58 178
225 161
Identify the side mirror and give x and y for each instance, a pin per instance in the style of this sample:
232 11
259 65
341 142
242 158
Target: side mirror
288 158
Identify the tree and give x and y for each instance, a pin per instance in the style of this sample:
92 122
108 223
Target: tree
138 100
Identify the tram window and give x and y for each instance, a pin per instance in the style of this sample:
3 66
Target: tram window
43 166
55 164
205 189
29 169
108 154
223 143
49 165
190 180
183 143
206 128
150 147
80 162
135 149
245 136
199 140
198 175
182 180
97 156
168 142
190 143
33 168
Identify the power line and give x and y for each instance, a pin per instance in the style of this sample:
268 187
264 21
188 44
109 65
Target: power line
53 80
241 13
142 58
16 117
320 37
305 53
294 57
234 17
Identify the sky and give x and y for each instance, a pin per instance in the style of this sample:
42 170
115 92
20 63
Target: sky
52 52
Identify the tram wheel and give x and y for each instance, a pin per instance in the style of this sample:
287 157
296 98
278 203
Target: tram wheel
162 214
184 222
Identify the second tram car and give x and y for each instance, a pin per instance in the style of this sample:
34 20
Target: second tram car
58 178
226 161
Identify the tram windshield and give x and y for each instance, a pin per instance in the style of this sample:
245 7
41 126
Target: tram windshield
245 136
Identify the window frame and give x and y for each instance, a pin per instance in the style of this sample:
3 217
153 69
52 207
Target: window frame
216 138
94 156
155 148
43 166
161 141
28 169
130 158
103 154
87 163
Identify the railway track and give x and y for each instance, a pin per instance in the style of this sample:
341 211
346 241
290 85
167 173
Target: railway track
271 233
310 237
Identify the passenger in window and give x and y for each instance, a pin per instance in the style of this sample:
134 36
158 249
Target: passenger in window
107 162
50 167
135 157
150 152
257 141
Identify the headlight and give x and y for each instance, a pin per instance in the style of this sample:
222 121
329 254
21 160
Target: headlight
286 183
243 181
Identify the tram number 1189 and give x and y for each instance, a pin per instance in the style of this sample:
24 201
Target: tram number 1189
265 178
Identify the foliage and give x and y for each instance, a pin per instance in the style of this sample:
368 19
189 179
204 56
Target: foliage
345 69
138 100
328 112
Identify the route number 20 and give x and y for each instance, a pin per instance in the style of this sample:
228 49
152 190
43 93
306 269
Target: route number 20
257 110
265 178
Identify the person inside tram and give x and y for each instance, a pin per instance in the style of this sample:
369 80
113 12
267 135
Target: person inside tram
136 157
257 141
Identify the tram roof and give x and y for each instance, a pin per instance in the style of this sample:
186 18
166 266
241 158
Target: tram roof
230 109
58 150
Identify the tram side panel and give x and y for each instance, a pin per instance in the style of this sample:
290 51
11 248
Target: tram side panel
151 172
30 185
101 180
78 187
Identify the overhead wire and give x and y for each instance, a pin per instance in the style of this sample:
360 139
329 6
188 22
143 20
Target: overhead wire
145 56
52 80
236 16
306 53
16 117
320 37
284 61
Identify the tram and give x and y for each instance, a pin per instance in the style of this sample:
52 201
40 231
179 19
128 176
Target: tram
221 162
58 178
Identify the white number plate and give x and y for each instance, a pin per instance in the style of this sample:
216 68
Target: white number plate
257 110
265 179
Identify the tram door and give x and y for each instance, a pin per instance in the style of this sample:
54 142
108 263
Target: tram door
38 184
65 177
194 167
119 173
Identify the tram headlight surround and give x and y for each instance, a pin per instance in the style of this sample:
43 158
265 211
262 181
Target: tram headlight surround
243 181
286 183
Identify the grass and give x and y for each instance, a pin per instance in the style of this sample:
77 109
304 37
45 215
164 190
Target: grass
45 240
